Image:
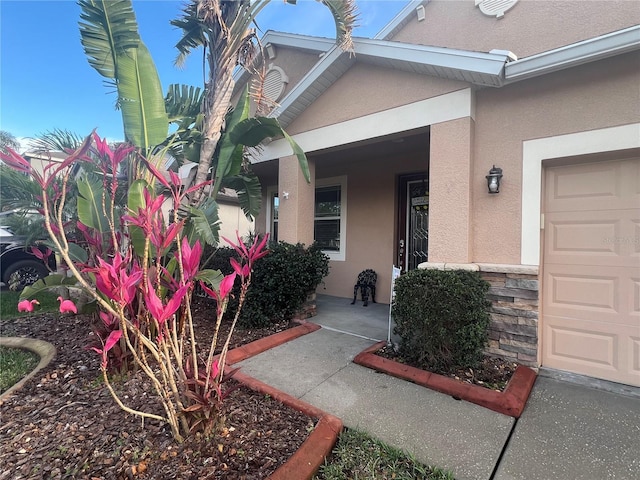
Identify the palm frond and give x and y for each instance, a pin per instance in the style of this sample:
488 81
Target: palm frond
56 140
183 101
345 16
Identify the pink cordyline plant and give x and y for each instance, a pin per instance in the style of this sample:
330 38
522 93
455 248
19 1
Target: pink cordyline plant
142 270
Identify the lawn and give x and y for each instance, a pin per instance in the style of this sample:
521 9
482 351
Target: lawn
359 456
15 363
9 304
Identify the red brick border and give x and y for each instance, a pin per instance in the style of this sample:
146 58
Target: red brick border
511 402
262 345
306 461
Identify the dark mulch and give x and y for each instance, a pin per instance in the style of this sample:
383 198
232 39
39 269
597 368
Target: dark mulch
492 372
65 424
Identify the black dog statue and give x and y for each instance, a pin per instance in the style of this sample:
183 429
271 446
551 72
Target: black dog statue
367 284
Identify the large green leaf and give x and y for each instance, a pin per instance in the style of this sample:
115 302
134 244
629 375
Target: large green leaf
47 283
203 223
145 119
107 27
249 193
135 201
230 153
76 252
90 212
212 277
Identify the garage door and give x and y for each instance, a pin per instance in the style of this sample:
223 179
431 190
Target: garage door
591 273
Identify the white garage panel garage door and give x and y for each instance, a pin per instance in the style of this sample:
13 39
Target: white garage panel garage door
591 272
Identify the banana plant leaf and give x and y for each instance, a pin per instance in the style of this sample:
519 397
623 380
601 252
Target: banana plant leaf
212 277
90 213
47 283
135 201
203 223
249 191
140 98
76 252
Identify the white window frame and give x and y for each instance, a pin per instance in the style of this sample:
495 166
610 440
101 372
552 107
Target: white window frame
341 181
271 190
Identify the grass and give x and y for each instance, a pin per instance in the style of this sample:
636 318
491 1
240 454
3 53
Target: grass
15 363
357 456
9 304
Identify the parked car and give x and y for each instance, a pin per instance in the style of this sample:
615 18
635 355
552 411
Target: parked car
18 266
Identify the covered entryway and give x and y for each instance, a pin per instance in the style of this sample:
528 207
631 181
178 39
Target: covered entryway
591 269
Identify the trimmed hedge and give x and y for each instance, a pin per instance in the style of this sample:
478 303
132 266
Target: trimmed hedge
442 318
280 283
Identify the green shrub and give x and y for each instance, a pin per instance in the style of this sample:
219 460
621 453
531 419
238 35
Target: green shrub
280 284
442 318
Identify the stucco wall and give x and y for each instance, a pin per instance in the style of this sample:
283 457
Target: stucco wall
232 219
460 24
588 97
371 219
366 89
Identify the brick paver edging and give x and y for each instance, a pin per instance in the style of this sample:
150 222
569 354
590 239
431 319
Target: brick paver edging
306 461
263 344
510 402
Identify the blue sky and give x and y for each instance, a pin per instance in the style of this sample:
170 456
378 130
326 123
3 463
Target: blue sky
46 81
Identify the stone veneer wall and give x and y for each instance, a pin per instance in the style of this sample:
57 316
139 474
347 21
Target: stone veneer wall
308 309
513 292
513 333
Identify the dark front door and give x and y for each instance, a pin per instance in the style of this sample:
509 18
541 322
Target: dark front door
413 221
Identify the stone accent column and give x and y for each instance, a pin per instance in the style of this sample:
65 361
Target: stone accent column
513 292
297 202
513 333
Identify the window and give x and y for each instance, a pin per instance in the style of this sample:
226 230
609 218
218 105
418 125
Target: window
272 213
330 216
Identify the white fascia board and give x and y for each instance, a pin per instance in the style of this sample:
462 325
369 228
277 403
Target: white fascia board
608 45
486 63
399 20
535 152
443 108
292 40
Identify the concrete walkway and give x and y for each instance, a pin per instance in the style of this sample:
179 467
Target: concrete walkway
566 431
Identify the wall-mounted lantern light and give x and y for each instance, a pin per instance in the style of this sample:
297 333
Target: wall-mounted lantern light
493 179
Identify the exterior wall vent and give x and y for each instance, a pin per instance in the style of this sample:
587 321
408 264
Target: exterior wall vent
495 8
275 82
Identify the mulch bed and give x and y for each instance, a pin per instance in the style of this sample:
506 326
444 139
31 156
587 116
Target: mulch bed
492 372
65 424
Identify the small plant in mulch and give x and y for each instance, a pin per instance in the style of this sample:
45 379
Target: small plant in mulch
491 372
442 319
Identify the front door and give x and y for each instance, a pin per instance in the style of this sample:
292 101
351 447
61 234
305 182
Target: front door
413 221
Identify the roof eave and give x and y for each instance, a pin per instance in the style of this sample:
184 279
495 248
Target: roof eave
598 48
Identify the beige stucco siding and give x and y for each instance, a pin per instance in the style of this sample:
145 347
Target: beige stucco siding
371 219
589 97
366 89
460 24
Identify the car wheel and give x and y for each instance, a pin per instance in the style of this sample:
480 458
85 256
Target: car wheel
24 273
